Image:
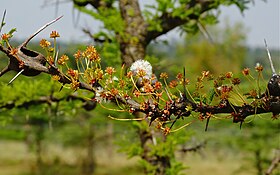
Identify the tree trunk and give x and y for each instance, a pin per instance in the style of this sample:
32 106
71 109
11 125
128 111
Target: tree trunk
38 141
258 162
89 163
133 47
133 40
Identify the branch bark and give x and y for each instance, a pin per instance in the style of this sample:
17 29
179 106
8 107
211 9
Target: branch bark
169 22
275 162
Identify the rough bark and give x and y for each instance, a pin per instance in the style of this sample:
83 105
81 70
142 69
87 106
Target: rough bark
132 41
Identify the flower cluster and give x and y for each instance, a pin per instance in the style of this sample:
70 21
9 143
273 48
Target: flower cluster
142 68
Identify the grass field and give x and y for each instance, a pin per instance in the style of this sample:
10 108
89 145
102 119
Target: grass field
16 159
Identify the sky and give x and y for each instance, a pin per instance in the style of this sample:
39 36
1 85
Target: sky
262 20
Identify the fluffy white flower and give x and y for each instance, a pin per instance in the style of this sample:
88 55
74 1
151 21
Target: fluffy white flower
142 65
99 95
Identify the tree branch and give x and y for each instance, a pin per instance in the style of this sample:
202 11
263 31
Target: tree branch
275 162
87 104
33 63
95 3
194 148
169 22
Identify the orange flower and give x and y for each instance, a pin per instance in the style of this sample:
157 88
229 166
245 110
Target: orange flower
75 85
157 85
236 81
92 54
6 36
229 75
44 43
246 71
110 70
166 130
73 73
62 60
163 75
114 91
137 93
173 84
259 67
56 77
54 34
78 55
129 74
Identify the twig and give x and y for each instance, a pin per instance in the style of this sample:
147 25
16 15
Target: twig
273 164
194 148
205 32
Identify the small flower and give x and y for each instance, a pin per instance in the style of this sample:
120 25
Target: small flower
136 93
246 71
129 74
62 60
253 93
114 91
75 85
205 73
50 60
163 75
166 130
142 66
157 85
110 70
73 73
179 76
100 95
92 54
44 43
55 77
142 73
148 88
259 67
229 75
236 81
78 55
54 34
173 84
6 36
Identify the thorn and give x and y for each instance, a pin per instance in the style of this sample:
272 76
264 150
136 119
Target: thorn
269 59
56 58
184 82
174 122
207 123
5 70
61 87
38 31
205 33
16 76
3 19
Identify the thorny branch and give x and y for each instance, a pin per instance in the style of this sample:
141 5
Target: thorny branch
32 63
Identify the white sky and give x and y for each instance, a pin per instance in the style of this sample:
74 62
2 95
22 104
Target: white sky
262 20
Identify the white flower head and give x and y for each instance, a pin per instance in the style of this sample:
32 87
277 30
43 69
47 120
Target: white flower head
99 95
142 65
